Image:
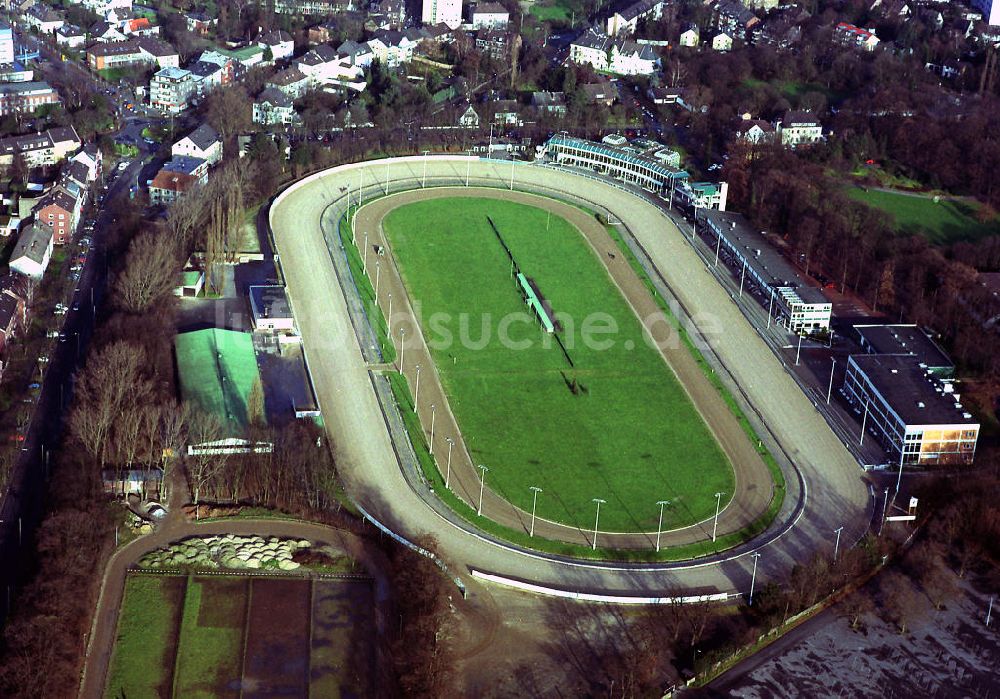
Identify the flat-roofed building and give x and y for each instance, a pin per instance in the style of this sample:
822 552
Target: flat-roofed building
787 296
270 309
26 96
906 339
916 417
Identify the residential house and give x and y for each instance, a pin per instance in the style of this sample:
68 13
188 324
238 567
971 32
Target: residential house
618 56
60 210
437 11
689 37
14 293
506 112
6 44
176 178
469 118
385 14
200 23
30 256
670 95
755 131
553 103
280 43
356 54
145 50
799 128
43 18
734 19
171 90
204 142
41 149
626 20
291 82
489 15
391 47
602 92
272 107
70 36
140 26
495 43
850 35
105 33
722 42
26 97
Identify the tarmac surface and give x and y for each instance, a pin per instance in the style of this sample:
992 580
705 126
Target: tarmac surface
826 489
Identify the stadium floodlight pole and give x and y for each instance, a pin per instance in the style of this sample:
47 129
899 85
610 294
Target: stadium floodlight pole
829 388
482 487
743 276
447 475
535 490
753 578
718 244
387 179
902 454
401 348
468 167
416 391
864 421
836 546
378 278
361 186
770 307
798 351
597 519
433 416
489 151
388 316
885 506
513 161
364 263
423 185
718 506
659 526
989 610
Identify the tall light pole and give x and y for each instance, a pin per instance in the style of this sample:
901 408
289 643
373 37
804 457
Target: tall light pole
885 505
829 388
902 454
597 520
718 244
753 578
388 317
416 391
378 278
743 276
482 486
836 546
659 525
864 421
387 179
989 611
402 347
799 350
718 506
364 264
433 416
468 167
423 184
513 161
535 490
447 477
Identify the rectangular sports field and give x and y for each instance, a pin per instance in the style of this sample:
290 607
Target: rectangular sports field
627 434
943 222
211 636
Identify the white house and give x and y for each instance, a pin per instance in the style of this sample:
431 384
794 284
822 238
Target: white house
469 118
32 252
437 11
722 42
489 15
280 42
204 142
611 55
70 36
43 18
850 35
273 107
799 128
626 20
690 37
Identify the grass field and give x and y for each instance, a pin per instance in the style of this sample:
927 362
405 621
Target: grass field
946 221
142 664
208 636
630 435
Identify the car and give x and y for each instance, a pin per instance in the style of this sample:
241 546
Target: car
43 358
85 240
59 312
34 386
75 268
123 165
76 306
75 276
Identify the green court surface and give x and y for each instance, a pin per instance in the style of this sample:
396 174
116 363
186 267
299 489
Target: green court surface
611 421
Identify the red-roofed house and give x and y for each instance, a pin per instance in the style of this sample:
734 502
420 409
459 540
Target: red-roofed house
168 186
850 35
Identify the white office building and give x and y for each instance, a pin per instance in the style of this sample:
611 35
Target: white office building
6 44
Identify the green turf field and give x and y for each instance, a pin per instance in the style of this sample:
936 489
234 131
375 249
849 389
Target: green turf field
944 222
209 662
628 435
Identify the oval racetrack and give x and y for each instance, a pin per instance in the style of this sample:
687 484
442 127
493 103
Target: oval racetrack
825 487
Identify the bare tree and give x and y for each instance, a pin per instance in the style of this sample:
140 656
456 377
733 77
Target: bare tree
150 270
255 403
228 110
203 467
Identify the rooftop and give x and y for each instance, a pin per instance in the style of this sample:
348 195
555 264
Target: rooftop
628 156
269 302
33 243
203 137
217 370
904 339
761 255
912 392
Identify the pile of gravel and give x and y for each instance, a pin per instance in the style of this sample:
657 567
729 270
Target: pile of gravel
227 551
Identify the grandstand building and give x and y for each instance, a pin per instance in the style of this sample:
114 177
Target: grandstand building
916 417
622 163
909 340
789 299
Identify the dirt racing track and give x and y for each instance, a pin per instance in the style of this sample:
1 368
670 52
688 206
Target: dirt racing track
825 489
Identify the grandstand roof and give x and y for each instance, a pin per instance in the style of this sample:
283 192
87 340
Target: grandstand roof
668 173
217 369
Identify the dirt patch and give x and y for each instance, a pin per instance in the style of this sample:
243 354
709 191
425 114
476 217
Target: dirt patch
217 609
343 653
276 659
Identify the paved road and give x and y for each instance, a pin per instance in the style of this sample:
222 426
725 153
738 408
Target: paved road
834 494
